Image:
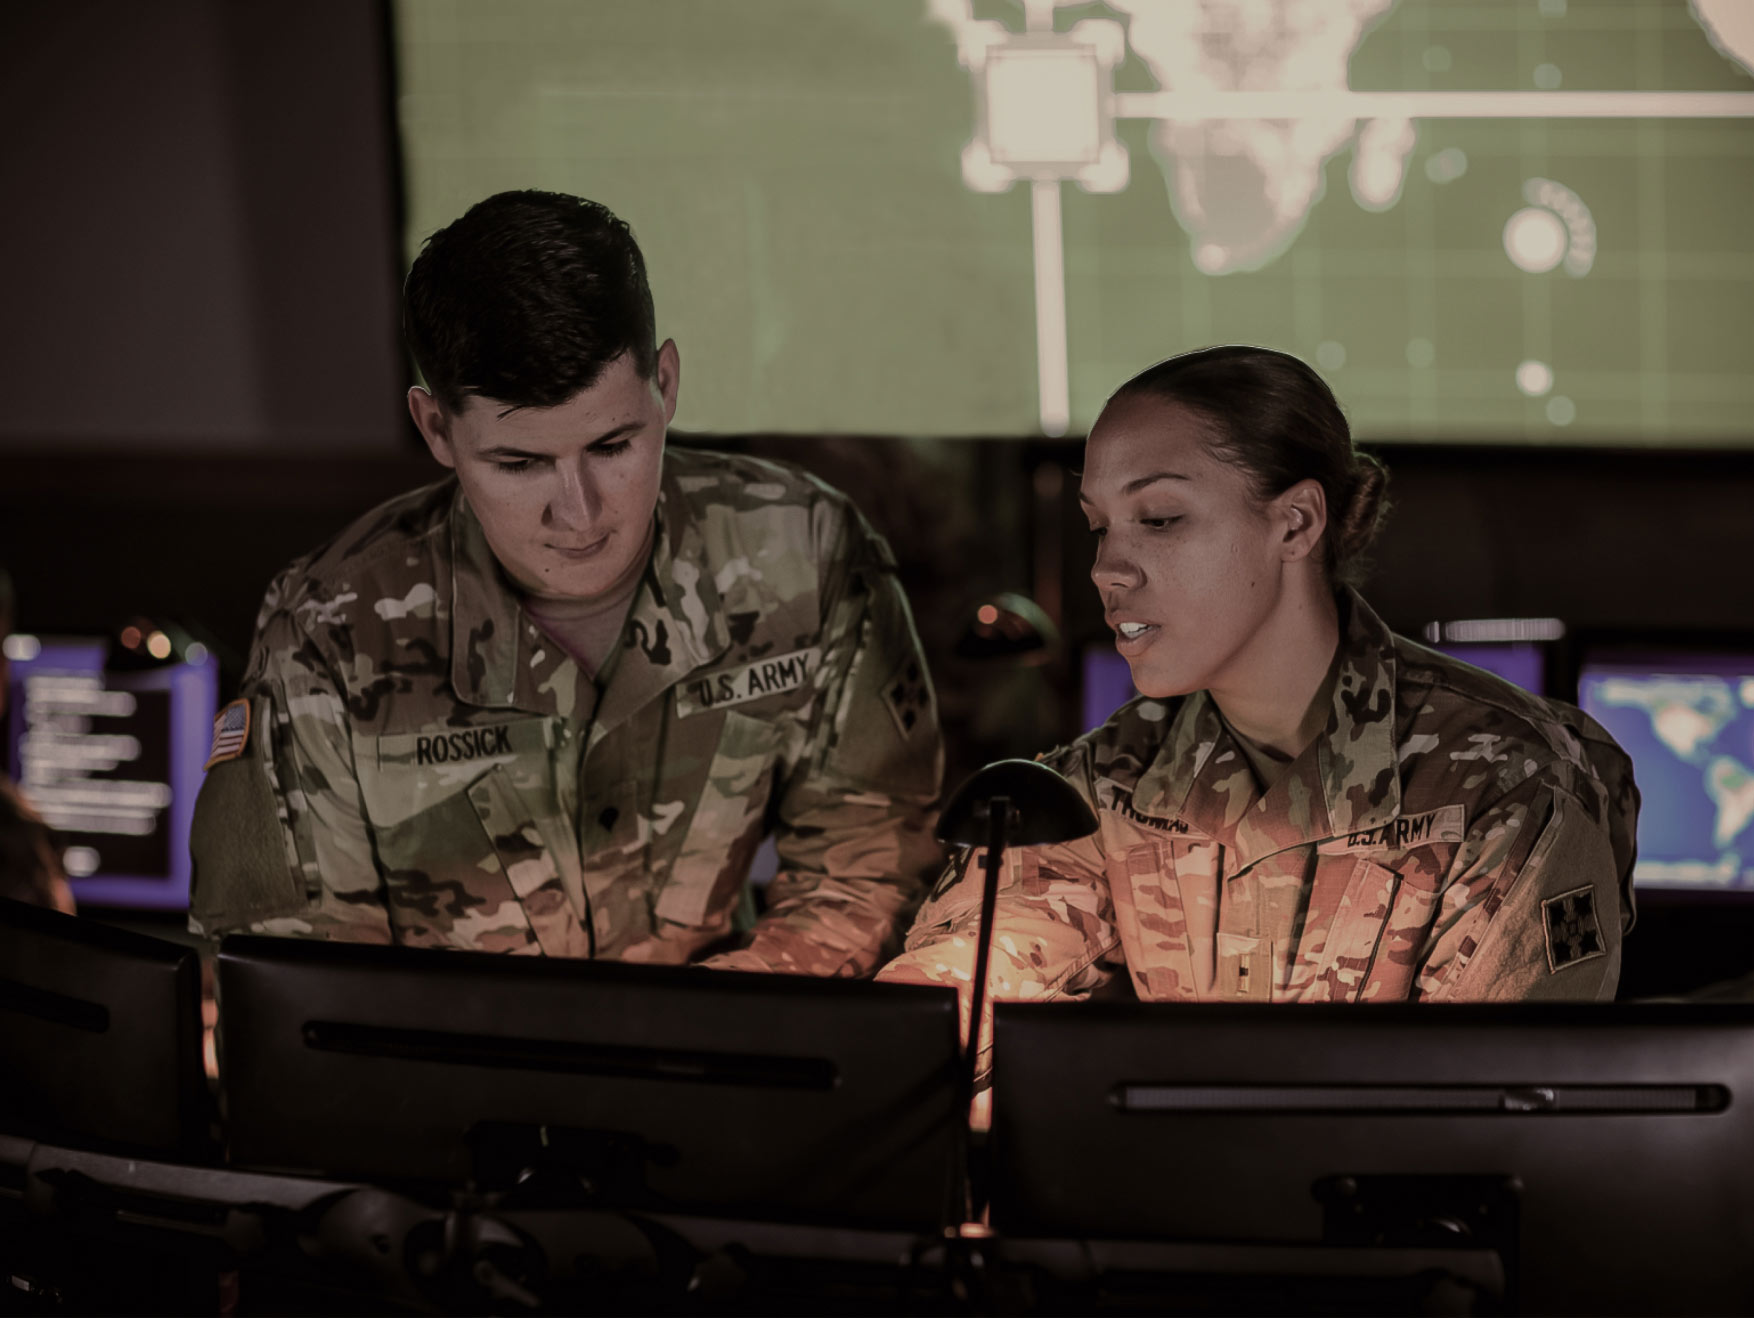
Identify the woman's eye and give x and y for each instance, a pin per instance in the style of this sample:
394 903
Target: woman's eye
1158 523
1099 531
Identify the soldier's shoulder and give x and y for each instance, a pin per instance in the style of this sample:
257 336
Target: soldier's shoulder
1473 713
389 548
738 482
756 506
1121 748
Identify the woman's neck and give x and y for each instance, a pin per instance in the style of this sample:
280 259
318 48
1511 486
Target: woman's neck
1270 691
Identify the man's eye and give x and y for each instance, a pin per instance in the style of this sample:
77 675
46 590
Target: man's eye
610 450
521 464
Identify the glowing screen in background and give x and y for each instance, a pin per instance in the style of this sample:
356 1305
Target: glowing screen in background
1107 685
1510 220
1519 663
1688 723
112 761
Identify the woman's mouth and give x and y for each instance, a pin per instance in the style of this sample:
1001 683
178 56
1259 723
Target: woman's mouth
1131 637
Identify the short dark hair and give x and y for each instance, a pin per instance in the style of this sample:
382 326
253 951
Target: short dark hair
1274 417
526 299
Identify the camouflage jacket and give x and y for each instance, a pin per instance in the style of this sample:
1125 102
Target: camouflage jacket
1447 837
425 766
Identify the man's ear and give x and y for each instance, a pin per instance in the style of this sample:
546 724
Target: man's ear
669 379
1301 514
433 423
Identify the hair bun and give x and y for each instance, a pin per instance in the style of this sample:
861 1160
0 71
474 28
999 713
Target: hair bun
1366 506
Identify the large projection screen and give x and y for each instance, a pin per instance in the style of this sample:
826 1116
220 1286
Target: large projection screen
1483 220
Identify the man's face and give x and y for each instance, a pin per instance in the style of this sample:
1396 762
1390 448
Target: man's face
1188 563
564 494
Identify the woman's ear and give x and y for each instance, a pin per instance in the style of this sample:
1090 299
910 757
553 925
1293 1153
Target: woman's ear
1301 514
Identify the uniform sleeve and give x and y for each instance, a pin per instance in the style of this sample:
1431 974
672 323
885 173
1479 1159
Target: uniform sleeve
279 842
855 812
1053 929
1532 910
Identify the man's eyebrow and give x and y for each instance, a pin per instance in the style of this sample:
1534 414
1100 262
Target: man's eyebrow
625 428
1134 486
512 451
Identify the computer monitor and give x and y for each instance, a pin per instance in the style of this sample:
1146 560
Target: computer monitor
1520 650
1686 717
1601 1150
112 760
666 1088
100 1035
1107 685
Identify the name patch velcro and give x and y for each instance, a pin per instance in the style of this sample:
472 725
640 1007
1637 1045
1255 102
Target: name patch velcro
735 686
467 744
1445 824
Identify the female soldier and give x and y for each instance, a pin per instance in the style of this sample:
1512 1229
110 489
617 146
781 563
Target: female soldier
1301 806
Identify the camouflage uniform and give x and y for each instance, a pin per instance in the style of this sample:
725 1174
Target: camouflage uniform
1446 837
425 766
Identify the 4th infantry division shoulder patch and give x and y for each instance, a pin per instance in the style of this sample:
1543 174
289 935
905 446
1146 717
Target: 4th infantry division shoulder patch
905 694
1573 933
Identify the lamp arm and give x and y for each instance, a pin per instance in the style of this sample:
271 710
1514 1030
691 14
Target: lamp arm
998 816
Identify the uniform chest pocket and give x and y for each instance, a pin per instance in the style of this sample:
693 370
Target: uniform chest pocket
1346 961
451 874
726 825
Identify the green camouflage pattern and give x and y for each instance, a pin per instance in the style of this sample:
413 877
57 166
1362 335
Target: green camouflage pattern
443 774
1447 837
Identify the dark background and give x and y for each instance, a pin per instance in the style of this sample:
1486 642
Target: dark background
200 378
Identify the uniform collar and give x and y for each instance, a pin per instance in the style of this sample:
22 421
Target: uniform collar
676 624
500 658
1344 782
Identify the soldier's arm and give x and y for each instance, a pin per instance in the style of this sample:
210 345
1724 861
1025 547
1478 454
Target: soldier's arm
1532 910
279 841
1053 931
1053 925
855 810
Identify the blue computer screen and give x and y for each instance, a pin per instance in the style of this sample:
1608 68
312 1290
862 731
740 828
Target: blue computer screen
1521 663
1108 684
1687 721
112 761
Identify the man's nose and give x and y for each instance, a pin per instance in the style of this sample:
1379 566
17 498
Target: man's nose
577 503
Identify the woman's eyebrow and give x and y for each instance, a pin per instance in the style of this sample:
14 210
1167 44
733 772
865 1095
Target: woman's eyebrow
1134 486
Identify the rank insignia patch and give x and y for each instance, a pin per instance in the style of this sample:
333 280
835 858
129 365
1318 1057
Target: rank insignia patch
905 694
1573 934
231 733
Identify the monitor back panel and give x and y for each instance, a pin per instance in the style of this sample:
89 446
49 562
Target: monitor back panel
1628 1130
760 1095
100 1034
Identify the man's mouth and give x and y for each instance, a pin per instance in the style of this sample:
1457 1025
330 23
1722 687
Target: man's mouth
581 551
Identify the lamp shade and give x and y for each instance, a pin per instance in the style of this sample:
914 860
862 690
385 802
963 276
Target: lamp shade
1044 807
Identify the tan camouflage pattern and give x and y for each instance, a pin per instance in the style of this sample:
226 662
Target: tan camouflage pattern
1410 853
445 775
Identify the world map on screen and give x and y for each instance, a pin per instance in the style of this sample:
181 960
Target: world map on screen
1691 738
1505 221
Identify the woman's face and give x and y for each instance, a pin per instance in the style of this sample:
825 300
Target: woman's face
1188 562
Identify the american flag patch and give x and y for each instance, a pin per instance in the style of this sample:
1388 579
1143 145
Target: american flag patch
231 733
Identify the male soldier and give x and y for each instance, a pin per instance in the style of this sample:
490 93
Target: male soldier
554 703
